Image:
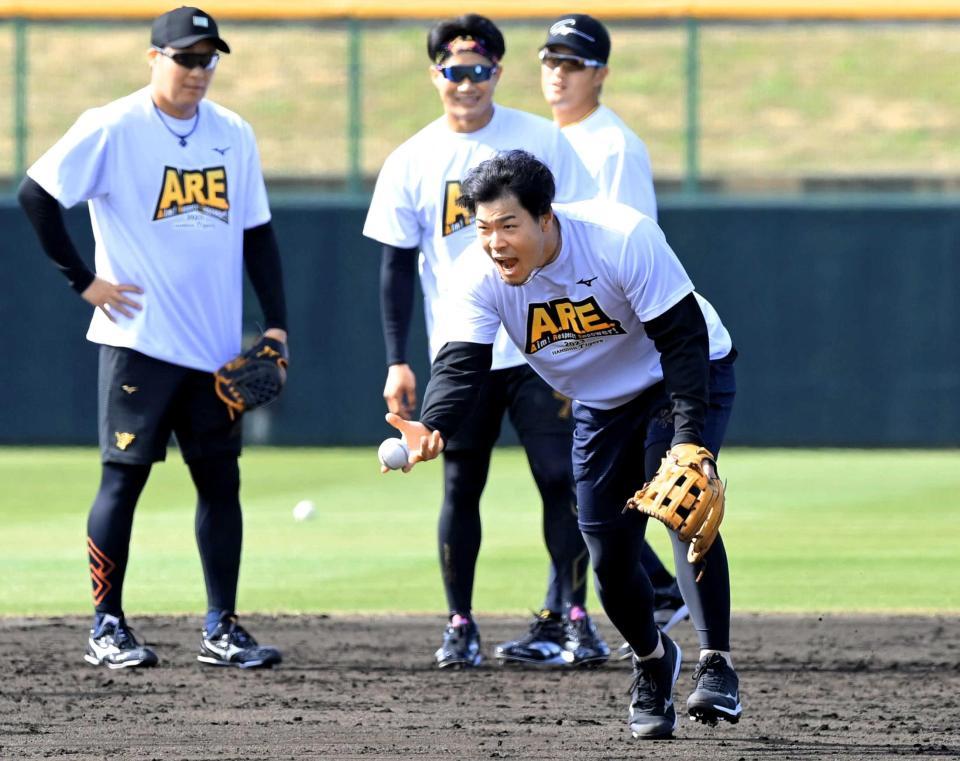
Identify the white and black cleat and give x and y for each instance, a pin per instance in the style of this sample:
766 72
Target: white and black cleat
717 694
229 644
113 645
544 644
652 715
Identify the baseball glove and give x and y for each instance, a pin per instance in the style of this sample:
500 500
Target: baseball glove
684 498
253 379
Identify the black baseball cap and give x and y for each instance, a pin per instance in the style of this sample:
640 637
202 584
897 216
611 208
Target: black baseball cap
185 26
583 34
470 25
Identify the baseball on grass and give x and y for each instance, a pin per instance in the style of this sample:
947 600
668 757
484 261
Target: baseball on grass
393 453
304 510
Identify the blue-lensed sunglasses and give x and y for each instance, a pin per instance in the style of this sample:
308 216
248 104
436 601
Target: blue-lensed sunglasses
475 72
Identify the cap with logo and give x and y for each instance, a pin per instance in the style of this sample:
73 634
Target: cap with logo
582 34
183 27
467 32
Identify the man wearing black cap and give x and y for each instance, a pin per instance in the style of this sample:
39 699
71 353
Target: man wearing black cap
415 215
179 209
573 69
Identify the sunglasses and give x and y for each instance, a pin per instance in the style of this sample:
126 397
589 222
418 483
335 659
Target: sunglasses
206 61
568 62
476 72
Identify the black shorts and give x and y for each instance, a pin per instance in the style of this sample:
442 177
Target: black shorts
535 410
143 400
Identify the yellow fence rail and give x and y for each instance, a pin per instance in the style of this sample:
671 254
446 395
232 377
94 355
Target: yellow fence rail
904 10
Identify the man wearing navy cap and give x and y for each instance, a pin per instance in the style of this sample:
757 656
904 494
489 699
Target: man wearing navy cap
179 210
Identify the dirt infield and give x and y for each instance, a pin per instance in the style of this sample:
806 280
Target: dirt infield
831 687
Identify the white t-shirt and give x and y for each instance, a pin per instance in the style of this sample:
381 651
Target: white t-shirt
166 217
618 160
414 202
579 319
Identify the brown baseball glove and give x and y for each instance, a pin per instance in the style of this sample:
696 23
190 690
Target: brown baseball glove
684 498
253 379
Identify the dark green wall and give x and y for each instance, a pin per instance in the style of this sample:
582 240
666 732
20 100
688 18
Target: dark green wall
845 314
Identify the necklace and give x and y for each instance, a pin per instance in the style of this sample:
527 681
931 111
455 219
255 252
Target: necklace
181 138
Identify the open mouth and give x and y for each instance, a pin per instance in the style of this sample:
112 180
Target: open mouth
507 265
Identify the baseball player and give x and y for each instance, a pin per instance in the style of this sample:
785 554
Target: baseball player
604 312
179 208
574 66
414 213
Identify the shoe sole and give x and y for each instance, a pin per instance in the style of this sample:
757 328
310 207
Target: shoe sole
556 661
711 715
676 675
459 665
94 661
210 661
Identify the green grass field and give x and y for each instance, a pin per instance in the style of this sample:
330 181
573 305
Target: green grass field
820 530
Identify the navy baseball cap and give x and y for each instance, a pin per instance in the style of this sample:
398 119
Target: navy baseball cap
583 34
183 27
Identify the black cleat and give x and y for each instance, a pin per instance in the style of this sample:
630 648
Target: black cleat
229 644
717 695
584 647
652 715
113 645
461 644
544 644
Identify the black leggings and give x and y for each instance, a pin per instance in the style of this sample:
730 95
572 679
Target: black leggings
219 529
459 530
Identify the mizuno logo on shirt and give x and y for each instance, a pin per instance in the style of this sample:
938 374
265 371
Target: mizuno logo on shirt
565 320
187 190
587 281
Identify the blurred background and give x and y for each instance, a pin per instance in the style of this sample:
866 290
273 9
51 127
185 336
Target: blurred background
806 156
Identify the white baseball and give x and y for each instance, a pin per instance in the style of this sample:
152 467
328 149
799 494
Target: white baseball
304 510
393 454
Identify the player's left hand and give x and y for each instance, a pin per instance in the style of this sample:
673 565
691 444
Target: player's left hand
423 443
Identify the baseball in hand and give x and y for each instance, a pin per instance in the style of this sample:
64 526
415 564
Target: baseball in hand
304 510
393 454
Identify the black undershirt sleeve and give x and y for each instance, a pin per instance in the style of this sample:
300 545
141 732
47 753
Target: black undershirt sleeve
261 258
398 275
458 372
680 335
46 216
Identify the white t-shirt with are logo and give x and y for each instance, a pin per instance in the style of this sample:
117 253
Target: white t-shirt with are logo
166 217
414 202
578 320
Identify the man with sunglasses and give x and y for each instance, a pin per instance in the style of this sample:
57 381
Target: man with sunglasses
574 66
179 208
415 214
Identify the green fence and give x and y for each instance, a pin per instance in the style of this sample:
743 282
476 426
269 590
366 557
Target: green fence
763 105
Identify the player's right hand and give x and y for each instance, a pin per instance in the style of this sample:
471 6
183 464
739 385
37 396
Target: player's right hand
400 390
423 443
109 298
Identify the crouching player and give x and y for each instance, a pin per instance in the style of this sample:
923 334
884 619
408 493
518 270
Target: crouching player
603 310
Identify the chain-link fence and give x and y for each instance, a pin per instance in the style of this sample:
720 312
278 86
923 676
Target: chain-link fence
720 104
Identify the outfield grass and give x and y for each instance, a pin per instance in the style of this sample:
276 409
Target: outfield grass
806 531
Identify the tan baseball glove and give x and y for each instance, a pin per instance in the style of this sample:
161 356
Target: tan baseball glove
684 498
